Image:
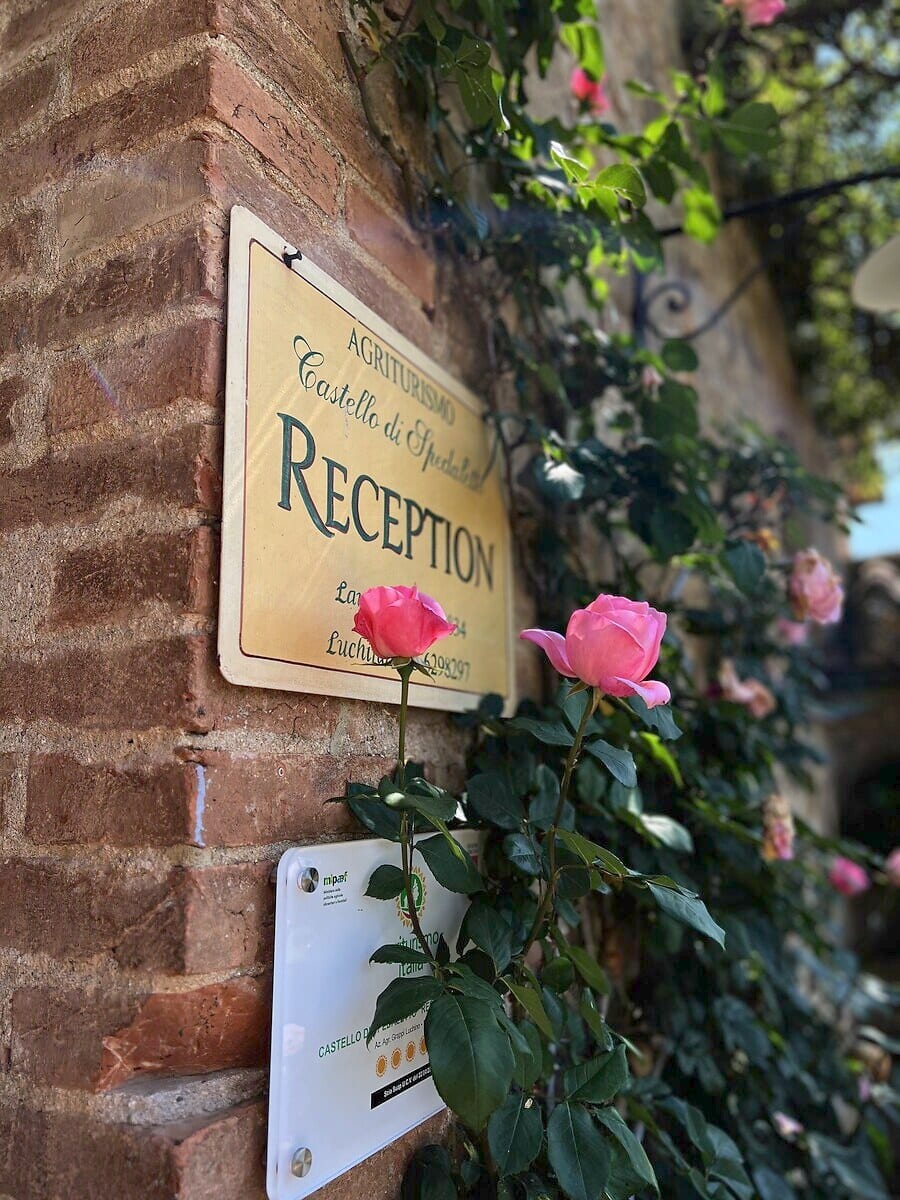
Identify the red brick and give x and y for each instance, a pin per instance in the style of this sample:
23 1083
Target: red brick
26 96
193 921
111 125
20 247
130 194
214 1028
145 686
258 799
56 1155
391 242
318 22
187 362
8 764
128 32
267 125
132 286
290 64
179 468
35 23
10 391
95 584
222 1158
108 803
233 180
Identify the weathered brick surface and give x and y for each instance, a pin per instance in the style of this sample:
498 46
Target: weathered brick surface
11 389
129 194
178 468
20 247
143 686
254 799
185 362
318 23
8 765
34 24
190 921
267 125
26 96
105 803
391 240
99 583
127 32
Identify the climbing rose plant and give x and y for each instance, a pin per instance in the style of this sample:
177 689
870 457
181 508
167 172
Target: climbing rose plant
646 996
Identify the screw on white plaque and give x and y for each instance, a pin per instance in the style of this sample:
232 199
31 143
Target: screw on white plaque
308 881
301 1162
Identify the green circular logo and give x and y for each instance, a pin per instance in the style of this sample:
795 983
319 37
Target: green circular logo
418 892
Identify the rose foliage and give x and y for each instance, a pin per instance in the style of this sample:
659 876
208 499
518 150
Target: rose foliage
646 996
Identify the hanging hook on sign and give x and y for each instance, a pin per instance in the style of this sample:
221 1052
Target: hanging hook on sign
291 256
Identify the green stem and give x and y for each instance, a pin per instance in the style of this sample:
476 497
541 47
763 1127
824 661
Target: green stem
571 759
407 832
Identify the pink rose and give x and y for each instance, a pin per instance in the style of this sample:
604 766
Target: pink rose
400 622
589 92
650 378
892 867
758 12
751 692
792 633
613 644
815 589
788 1127
848 877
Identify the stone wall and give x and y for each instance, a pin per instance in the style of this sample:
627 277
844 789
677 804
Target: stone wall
143 799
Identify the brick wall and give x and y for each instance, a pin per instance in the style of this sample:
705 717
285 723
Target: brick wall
143 799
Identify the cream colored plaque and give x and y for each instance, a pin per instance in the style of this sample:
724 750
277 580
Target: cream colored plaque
351 460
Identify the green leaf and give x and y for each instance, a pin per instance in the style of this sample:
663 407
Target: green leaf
750 129
491 797
619 763
490 932
439 806
471 1059
577 1151
429 1176
385 883
583 39
523 853
378 819
589 969
772 1186
457 874
624 180
746 564
515 1132
668 831
701 214
634 1151
663 755
551 733
395 953
400 999
575 171
599 1080
689 910
591 853
531 1001
679 355
528 1064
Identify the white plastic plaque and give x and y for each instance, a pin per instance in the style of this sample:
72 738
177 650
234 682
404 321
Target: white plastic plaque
333 1100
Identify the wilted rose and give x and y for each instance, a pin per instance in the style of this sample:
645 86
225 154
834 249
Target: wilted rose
752 693
613 645
848 877
816 592
589 92
400 622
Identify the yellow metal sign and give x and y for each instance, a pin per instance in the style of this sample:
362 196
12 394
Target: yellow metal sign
352 460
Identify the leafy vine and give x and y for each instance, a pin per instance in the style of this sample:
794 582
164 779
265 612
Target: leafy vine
598 1030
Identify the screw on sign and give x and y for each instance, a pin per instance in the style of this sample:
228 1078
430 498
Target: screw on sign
301 1162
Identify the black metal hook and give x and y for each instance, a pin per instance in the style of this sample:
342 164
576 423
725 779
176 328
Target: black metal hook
291 256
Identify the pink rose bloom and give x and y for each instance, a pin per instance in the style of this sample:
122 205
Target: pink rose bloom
758 12
589 92
847 877
400 622
613 645
751 692
650 378
788 1127
892 867
792 633
815 589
